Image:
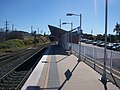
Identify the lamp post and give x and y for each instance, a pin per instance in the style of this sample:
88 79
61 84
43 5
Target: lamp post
103 78
69 33
79 42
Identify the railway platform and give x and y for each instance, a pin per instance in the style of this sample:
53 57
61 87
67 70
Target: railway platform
59 71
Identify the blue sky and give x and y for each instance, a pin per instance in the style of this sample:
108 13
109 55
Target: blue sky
40 13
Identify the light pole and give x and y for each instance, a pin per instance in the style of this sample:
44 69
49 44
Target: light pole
69 33
60 23
103 78
79 42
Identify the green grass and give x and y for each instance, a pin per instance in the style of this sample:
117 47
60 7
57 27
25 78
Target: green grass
17 43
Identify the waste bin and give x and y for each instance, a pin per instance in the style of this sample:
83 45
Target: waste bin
68 52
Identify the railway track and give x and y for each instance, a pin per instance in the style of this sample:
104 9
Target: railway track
10 63
13 55
17 77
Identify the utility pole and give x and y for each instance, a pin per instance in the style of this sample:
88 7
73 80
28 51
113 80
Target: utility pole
6 26
12 27
38 31
91 31
60 23
79 43
6 29
41 32
31 29
48 32
104 77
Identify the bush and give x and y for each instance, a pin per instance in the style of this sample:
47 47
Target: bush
27 42
18 43
3 46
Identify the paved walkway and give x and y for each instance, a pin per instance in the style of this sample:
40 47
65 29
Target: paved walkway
63 72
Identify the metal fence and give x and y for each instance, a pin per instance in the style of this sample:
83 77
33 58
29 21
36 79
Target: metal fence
96 54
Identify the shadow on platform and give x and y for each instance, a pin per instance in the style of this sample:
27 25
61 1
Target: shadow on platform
68 75
61 59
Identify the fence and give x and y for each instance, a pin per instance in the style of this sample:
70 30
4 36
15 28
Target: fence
96 54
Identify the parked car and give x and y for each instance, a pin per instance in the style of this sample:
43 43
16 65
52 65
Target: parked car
115 46
89 41
109 46
102 44
94 42
99 43
118 48
83 40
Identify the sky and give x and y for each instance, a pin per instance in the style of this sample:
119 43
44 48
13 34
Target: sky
41 13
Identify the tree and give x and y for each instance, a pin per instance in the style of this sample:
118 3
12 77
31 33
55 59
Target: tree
35 38
117 29
44 34
100 37
15 35
112 38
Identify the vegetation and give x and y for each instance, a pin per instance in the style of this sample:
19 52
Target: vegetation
17 40
110 38
117 29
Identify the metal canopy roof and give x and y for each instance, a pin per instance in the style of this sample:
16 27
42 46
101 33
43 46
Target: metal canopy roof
55 31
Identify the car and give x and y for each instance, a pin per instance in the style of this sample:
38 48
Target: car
109 46
118 48
99 43
102 44
83 40
89 41
115 46
94 42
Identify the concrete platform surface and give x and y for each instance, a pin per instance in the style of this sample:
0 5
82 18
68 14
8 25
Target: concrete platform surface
64 72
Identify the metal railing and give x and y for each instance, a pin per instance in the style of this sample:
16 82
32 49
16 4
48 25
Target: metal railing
94 57
97 55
